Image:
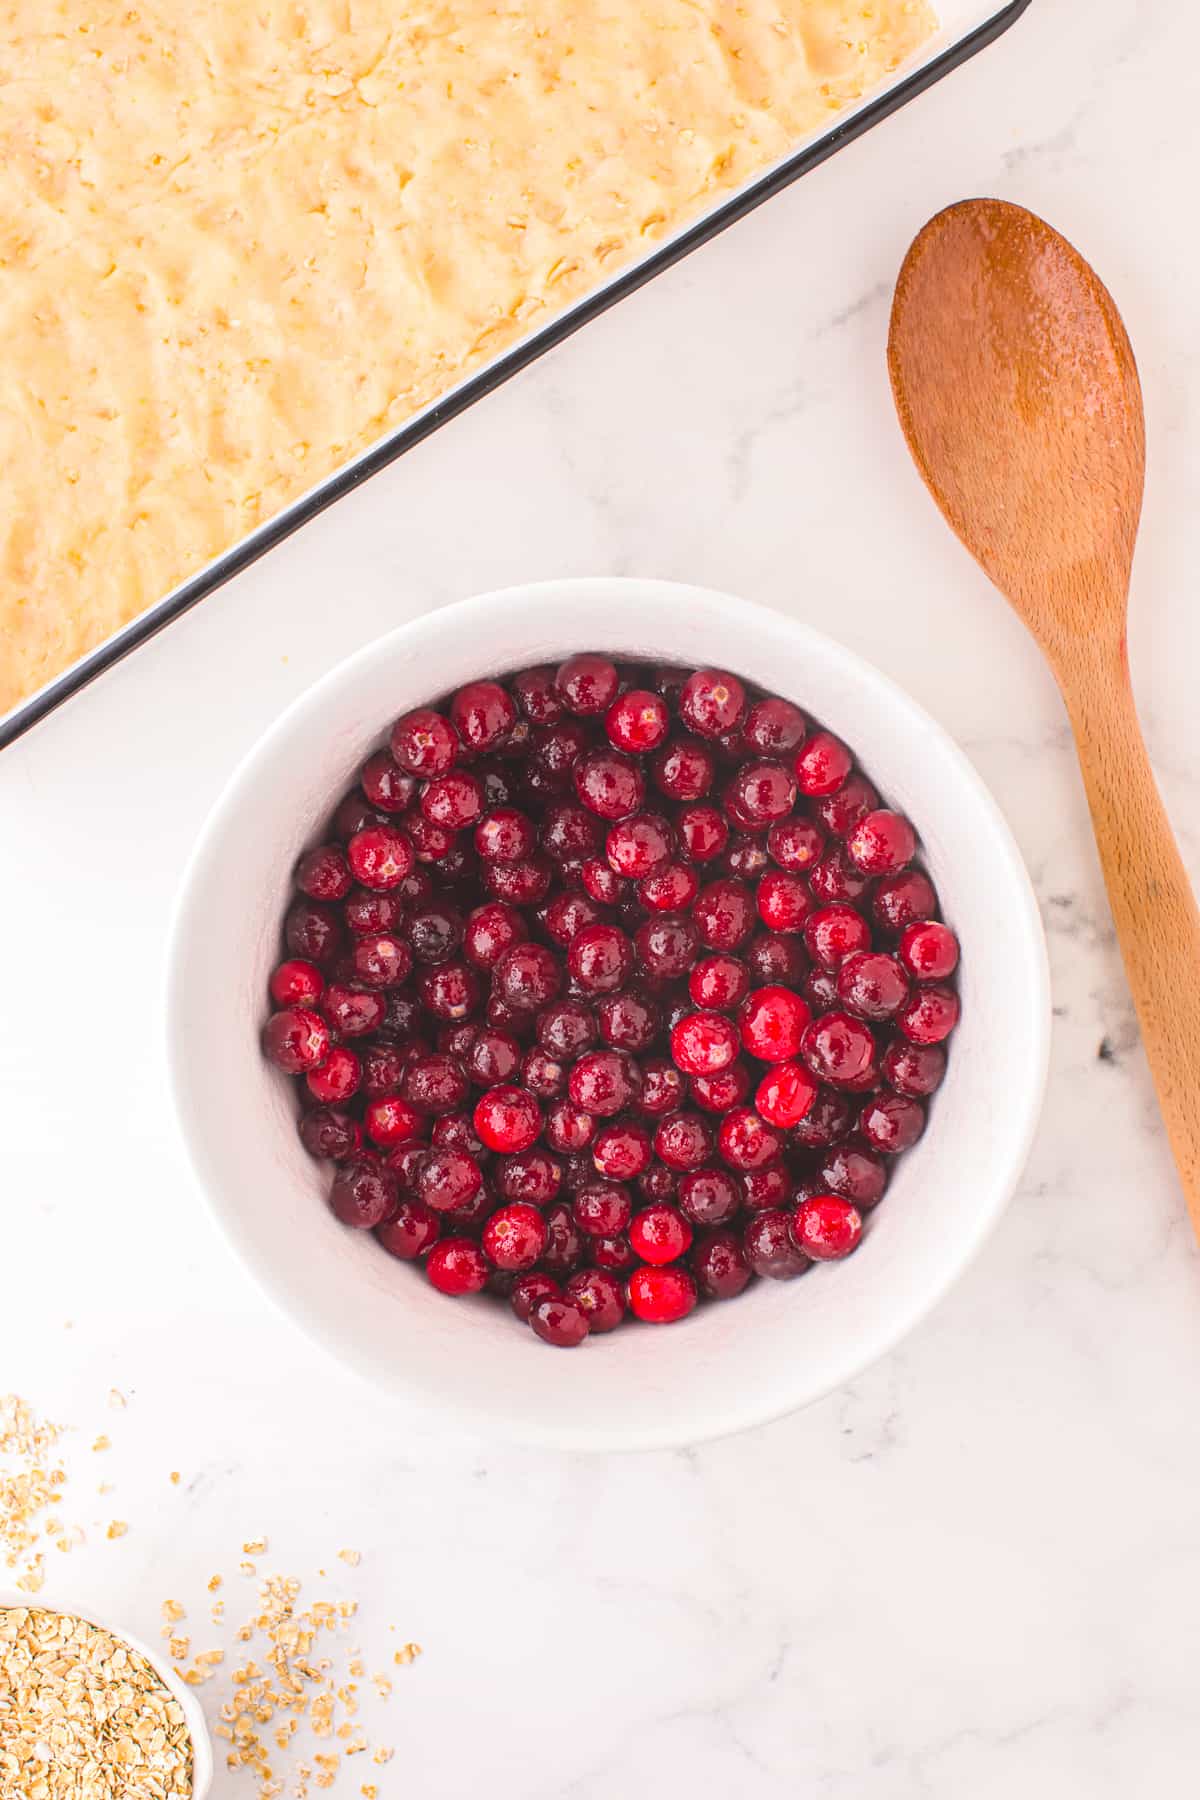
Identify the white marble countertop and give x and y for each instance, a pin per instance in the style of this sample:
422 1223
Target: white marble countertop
976 1571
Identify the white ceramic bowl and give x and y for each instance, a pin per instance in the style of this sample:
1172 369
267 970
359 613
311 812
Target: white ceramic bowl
468 1362
202 1756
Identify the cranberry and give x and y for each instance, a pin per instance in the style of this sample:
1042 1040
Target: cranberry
930 1015
929 951
637 722
621 1151
835 878
381 960
639 845
704 1043
855 1172
746 856
520 883
296 983
504 835
453 801
795 844
826 1228
532 1176
903 899
390 1120
601 884
587 684
762 1188
530 1290
839 813
508 1119
566 1029
430 841
435 933
712 702
834 933
311 930
769 1249
598 1297
709 1196
719 983
564 1241
822 764
703 832
434 1084
775 959
364 1192
746 1141
628 1021
387 786
457 1266
605 1082
764 792
296 1039
881 843
405 1161
612 1253
495 1058
891 1122
411 1230
352 1011
661 1296
562 1323
785 1094
683 1141
527 977
483 714
720 1266
666 945
838 1049
424 743
717 1093
772 1022
383 1066
569 831
447 1179
724 913
490 931
337 1078
660 1234
663 1087
329 1134
537 696
354 813
515 1236
783 900
569 1128
684 770
380 857
828 1119
324 873
872 985
456 1131
600 958
608 784
915 1070
602 1208
542 1074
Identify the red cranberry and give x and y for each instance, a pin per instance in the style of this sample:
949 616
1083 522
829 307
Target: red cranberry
930 1015
504 835
380 857
704 1043
602 1208
621 1151
881 843
311 930
605 1082
639 845
508 1119
337 1078
364 1192
557 748
613 1254
915 1070
666 945
772 1022
768 1247
543 1075
527 977
839 813
515 1236
663 1087
709 1196
661 1296
929 951
562 1323
719 983
435 1084
872 985
783 900
608 784
703 832
424 743
684 770
764 792
826 1228
724 913
381 960
827 1120
447 1179
405 1160
628 1021
495 1058
569 1128
587 684
383 1066
746 856
324 874
785 1094
637 722
329 1134
838 1049
711 702
564 1241
520 883
601 958
569 831
717 1093
430 842
354 813
537 696
490 931
822 764
411 1230
483 714
530 1290
456 1131
683 1141
386 785
296 983
763 1188
795 844
720 1266
390 1120
891 1122
903 899
820 990
774 727
602 884
532 1176
834 933
855 1172
566 1029
453 801
746 1141
296 1039
457 1266
598 1297
660 1234
352 1011
835 878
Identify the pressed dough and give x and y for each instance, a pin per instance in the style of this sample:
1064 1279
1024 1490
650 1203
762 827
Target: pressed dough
242 239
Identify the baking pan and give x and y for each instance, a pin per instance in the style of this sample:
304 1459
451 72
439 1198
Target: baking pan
967 26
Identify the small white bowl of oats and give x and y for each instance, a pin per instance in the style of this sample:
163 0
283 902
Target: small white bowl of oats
92 1713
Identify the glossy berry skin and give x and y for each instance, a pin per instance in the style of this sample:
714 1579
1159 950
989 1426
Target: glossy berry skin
881 843
622 1151
872 985
775 959
380 857
446 1179
530 1290
608 784
562 1323
915 1070
838 1049
601 958
826 1228
711 702
660 1234
494 1058
482 713
772 1021
763 1188
637 722
795 845
532 1176
565 1243
381 960
719 1265
774 727
719 983
835 932
769 1248
891 1123
764 792
514 1237
491 930
709 1197
703 832
424 743
666 945
296 1039
412 1229
747 1141
854 1171
390 1120
664 1089
903 899
337 1078
828 1119
324 873
841 811
928 950
504 835
587 684
352 1012
822 764
671 889
567 1028
456 1266
684 770
717 1093
604 1082
569 1128
930 1016
602 1208
783 900
527 977
785 1094
388 787
724 913
364 1192
639 845
661 1296
598 1296
508 1119
704 1043
329 1134
683 1141
311 930
628 1021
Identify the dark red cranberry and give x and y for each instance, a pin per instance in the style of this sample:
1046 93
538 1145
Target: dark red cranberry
746 1141
405 1160
666 945
601 883
324 873
719 983
605 1082
769 1249
717 1093
537 696
602 1208
855 1172
562 1323
661 1296
657 1182
663 1087
638 846
683 1140
637 722
434 1084
521 883
337 1078
383 1066
929 1017
612 1253
709 1196
532 1176
435 932
839 813
386 785
557 748
820 991
783 900
881 843
515 1236
929 950
412 1229
587 684
381 960
711 702
508 1119
364 1191
424 743
431 842
774 727
835 878
719 1265
775 959
764 791
822 764
660 1234
391 1120
838 1048
505 834
312 930
296 983
684 770
457 1266
628 1021
456 1131
491 930
564 1241
703 832
891 1122
354 813
915 1070
622 1150
746 857
530 1290
447 1179
785 1094
826 1228
402 1015
495 1057
527 977
569 831
835 932
795 844
903 899
600 958
608 784
329 1134
564 917
772 1021
380 857
704 1043
762 1188
296 1039
483 714
569 1128
566 1029
453 801
352 1011
828 1119
872 985
542 1074
598 1296
724 914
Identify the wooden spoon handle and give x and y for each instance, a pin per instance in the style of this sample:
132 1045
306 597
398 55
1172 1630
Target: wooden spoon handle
1157 920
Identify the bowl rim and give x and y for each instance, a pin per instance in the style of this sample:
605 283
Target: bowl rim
871 1345
202 1748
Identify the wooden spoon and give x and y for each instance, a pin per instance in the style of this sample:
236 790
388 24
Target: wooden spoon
1019 396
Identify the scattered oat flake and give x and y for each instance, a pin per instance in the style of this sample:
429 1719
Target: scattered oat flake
102 1442
172 1612
255 1546
352 1557
116 1398
117 1529
214 1582
408 1654
175 1477
247 1568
